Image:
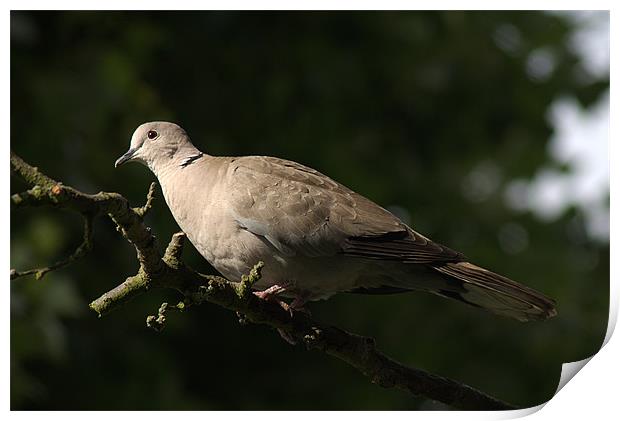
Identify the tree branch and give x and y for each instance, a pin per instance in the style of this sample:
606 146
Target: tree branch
150 196
168 271
81 251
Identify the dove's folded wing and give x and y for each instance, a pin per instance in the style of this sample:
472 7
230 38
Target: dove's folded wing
298 210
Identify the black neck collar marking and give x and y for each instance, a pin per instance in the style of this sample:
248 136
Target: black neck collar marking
190 159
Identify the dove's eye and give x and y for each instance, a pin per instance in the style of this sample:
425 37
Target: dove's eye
152 134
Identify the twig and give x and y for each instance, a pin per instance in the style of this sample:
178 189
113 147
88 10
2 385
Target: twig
157 322
82 250
46 191
150 196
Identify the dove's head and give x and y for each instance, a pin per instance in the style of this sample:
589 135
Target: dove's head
157 144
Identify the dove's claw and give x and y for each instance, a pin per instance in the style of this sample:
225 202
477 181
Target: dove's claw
298 305
271 293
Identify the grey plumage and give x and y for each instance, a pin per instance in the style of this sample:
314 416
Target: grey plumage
316 236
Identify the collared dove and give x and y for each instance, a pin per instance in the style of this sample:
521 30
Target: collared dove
315 236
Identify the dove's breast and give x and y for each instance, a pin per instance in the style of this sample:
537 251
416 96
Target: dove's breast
199 199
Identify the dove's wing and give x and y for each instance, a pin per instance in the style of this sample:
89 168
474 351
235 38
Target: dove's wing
298 210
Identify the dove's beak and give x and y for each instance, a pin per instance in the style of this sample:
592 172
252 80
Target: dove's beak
127 157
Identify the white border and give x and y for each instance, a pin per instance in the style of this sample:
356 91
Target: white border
592 393
311 5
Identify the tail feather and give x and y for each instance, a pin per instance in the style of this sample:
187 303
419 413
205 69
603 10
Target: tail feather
496 293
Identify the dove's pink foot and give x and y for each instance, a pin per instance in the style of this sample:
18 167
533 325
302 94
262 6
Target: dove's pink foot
299 300
296 305
271 293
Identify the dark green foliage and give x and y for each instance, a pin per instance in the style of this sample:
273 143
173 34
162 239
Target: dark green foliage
401 107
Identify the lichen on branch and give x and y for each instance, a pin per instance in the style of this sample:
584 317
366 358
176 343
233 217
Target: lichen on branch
244 288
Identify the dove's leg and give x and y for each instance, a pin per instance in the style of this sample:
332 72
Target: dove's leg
271 292
298 303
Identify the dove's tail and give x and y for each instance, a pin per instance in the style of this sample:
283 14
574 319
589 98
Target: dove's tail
496 293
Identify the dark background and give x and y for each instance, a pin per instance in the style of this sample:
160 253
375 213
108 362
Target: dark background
401 107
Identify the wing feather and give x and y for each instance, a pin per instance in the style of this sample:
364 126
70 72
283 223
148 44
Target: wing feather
407 247
301 211
497 293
